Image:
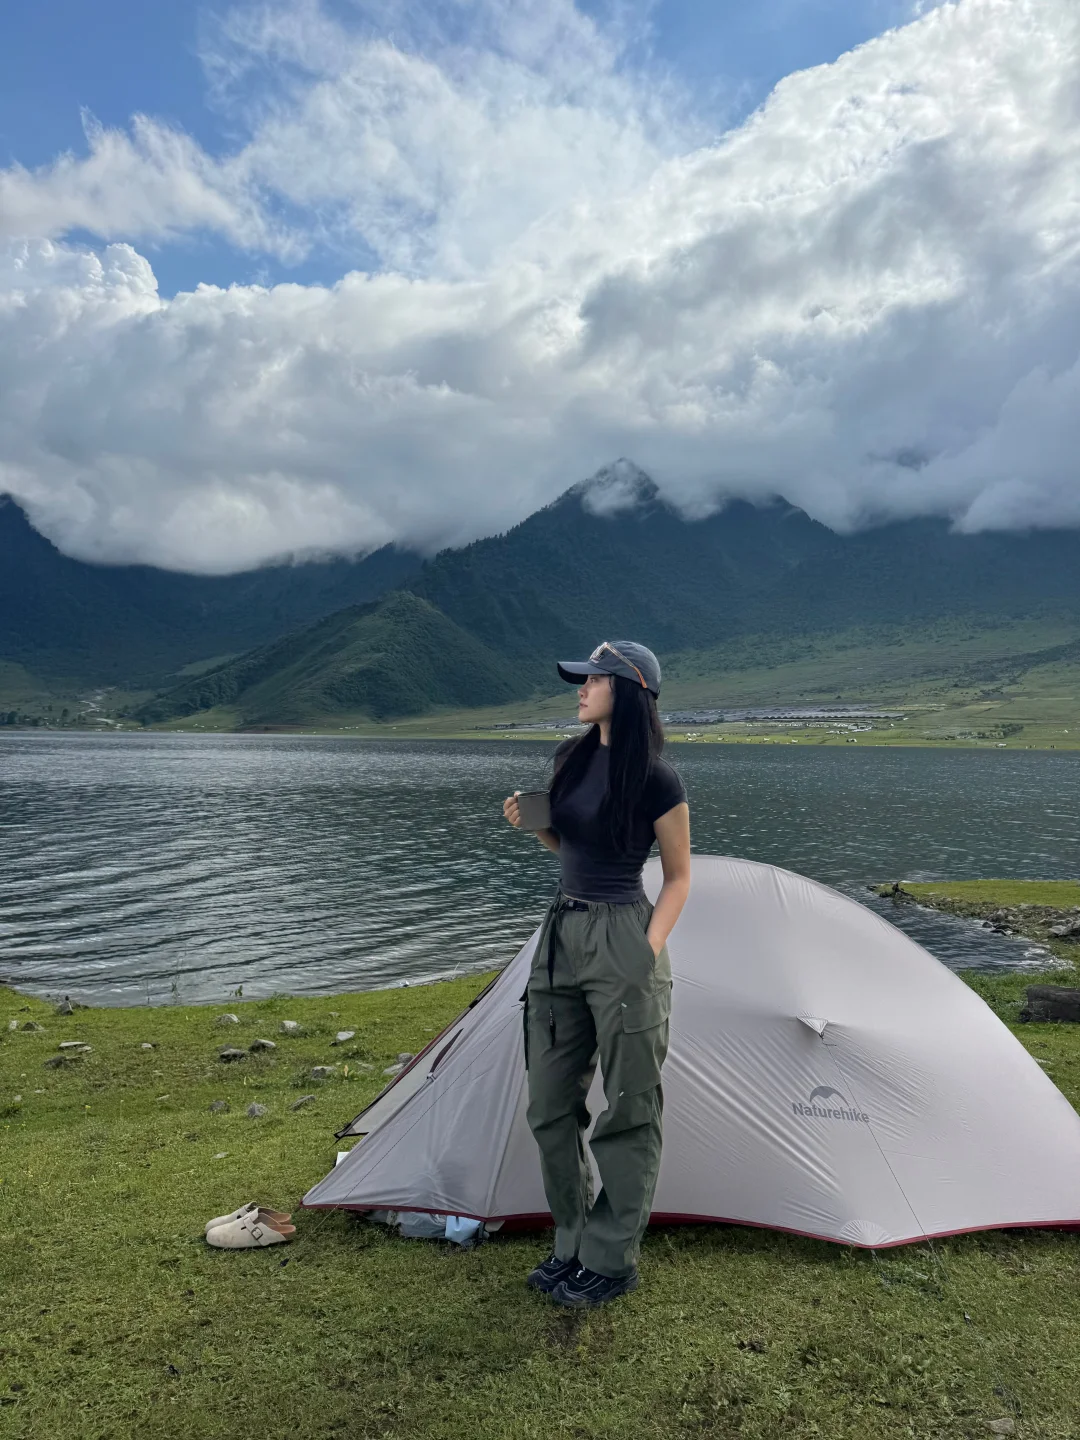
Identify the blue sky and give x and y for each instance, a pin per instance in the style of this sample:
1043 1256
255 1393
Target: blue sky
115 58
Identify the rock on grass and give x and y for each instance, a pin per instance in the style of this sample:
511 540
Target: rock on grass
231 1054
256 1111
303 1100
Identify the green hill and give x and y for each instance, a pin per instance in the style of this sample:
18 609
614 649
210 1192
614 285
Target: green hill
396 656
134 625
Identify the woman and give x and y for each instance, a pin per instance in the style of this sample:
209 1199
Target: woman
600 985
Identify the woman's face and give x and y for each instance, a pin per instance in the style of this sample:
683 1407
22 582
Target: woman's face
596 699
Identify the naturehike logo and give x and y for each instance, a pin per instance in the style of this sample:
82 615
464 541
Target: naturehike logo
820 1108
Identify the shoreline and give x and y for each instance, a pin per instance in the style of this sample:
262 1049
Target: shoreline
673 736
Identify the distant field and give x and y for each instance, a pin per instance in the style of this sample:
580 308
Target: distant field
957 685
972 683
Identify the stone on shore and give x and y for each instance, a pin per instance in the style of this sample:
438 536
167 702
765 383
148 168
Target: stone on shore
1049 1003
65 1007
229 1019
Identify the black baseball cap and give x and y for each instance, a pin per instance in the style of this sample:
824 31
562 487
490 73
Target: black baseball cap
616 657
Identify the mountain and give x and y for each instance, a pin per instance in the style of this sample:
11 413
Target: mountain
609 558
579 570
397 656
135 625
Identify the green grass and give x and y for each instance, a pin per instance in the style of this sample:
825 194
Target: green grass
1063 894
959 684
119 1321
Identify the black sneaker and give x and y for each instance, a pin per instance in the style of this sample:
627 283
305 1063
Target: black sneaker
546 1276
586 1288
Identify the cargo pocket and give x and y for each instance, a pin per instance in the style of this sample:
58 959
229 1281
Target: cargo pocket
646 1013
644 1041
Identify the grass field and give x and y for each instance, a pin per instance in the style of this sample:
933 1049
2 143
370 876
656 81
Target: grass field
957 683
991 894
119 1321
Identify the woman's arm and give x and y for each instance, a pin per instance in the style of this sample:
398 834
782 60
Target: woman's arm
673 834
547 838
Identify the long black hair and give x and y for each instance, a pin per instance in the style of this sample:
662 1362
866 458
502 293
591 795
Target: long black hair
637 738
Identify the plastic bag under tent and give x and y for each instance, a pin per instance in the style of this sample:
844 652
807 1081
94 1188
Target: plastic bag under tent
424 1225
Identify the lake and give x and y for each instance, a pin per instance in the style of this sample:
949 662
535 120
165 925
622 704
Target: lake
144 868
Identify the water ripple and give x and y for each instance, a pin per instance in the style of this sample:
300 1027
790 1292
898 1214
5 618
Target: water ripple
142 867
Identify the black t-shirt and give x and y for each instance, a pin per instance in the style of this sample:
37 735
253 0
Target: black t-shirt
592 869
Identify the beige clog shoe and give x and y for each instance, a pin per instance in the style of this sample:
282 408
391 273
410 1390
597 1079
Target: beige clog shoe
249 1208
250 1232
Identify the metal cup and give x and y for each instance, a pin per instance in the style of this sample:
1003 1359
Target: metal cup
534 810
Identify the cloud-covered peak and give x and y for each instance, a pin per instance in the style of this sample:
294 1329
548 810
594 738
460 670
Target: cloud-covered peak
615 488
865 298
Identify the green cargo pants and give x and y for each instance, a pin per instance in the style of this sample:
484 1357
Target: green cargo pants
596 991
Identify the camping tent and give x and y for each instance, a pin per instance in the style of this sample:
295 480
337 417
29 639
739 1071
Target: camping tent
826 1076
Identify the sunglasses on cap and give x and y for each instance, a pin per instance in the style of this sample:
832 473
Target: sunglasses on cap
606 645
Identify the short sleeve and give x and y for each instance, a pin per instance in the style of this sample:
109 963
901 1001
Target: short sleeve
663 792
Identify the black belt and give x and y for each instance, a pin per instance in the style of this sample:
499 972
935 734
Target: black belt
559 904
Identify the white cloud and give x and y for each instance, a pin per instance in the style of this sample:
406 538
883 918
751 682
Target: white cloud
865 298
152 183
